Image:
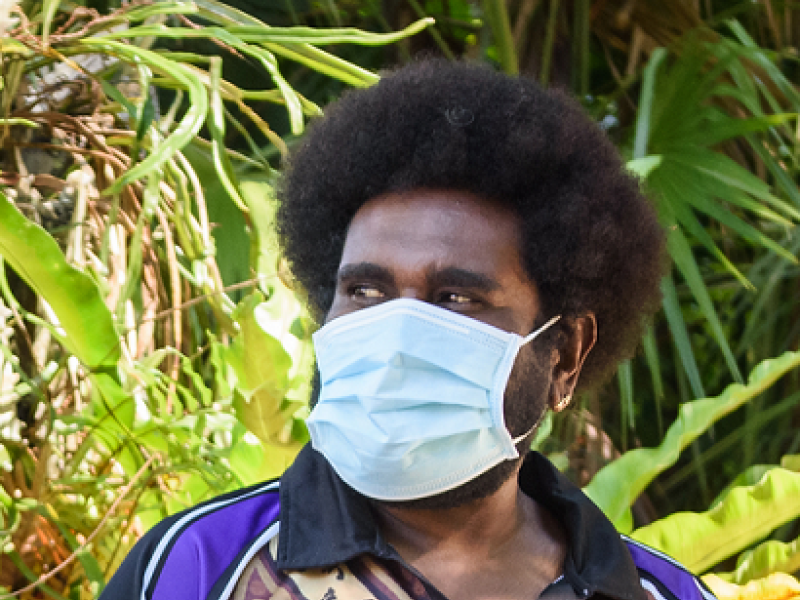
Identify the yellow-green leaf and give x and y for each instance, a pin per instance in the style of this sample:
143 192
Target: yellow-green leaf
75 299
746 515
616 486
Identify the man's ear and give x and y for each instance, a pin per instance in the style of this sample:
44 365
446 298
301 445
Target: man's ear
579 335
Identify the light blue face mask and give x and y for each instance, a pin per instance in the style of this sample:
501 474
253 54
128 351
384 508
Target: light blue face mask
411 398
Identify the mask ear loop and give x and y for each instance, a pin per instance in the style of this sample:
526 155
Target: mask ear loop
525 340
542 329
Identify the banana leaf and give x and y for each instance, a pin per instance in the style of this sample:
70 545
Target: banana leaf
746 515
772 556
616 486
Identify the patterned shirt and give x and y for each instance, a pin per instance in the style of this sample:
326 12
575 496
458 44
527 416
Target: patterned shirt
311 537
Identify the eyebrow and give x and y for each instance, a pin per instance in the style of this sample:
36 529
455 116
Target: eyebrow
448 276
463 278
364 270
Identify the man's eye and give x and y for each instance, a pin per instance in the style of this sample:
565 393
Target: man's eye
366 292
455 298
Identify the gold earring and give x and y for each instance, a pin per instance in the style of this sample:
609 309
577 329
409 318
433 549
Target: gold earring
564 402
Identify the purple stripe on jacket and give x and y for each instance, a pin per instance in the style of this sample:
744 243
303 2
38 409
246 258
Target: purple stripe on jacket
209 545
677 580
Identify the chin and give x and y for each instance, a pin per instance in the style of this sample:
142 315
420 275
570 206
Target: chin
477 489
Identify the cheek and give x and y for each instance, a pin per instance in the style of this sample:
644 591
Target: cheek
527 390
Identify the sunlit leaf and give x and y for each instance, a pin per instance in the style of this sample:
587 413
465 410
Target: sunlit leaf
261 365
87 323
616 486
772 556
747 514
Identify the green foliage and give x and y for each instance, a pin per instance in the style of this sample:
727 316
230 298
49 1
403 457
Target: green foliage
768 557
154 353
133 384
87 324
261 366
615 487
745 516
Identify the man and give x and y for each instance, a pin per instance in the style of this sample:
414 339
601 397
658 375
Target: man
471 245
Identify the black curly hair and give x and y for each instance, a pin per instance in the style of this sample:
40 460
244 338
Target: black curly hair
591 241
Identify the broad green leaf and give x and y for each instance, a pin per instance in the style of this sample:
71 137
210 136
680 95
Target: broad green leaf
750 476
791 462
261 365
768 557
616 486
747 514
74 297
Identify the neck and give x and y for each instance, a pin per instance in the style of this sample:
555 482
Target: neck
517 543
500 520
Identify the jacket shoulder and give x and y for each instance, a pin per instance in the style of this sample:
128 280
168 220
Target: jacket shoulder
664 578
198 553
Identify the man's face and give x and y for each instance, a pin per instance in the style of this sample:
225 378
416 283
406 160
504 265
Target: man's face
461 253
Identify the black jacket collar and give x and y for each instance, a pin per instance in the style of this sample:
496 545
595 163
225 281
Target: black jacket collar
324 523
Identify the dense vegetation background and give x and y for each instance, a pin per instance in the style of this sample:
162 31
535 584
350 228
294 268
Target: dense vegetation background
154 352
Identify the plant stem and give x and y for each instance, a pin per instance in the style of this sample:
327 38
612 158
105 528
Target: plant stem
497 15
550 39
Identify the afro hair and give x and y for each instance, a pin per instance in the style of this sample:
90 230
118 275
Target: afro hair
590 240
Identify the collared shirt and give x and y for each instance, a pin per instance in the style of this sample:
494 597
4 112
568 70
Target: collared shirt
311 537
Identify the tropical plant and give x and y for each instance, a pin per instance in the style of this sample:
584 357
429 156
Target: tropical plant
154 353
133 384
759 501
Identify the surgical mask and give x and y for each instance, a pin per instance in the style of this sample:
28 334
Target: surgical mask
411 398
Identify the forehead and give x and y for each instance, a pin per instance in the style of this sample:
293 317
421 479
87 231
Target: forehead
425 229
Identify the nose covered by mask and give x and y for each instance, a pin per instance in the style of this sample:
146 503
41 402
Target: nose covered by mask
411 398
